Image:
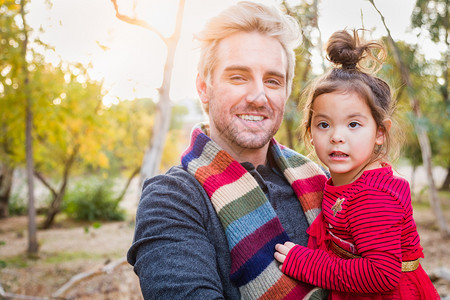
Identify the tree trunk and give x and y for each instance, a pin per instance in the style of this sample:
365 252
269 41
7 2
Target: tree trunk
421 133
289 133
413 178
54 208
433 194
319 40
58 196
444 89
122 194
153 154
6 179
32 232
446 185
446 58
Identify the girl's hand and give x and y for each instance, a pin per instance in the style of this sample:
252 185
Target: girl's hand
281 251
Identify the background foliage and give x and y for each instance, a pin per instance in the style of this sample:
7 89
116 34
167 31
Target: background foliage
76 135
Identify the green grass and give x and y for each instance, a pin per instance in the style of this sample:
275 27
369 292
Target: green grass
61 257
23 261
17 261
421 199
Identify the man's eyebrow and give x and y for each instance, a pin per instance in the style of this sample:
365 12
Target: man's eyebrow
247 69
237 68
276 74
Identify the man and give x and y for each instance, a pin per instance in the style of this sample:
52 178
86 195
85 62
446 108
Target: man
207 229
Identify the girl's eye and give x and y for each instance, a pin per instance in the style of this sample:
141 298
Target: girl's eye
323 125
354 125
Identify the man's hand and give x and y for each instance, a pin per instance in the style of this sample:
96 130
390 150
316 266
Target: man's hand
281 251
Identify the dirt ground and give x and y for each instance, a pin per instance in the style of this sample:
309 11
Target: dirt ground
63 253
71 248
67 251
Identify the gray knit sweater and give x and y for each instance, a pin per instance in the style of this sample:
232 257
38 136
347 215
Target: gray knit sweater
180 250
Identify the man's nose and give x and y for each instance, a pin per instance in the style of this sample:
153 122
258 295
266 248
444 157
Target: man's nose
256 94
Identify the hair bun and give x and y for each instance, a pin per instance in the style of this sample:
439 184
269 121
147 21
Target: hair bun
348 51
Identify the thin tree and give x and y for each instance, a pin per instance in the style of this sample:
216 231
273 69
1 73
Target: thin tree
432 17
153 154
58 193
81 106
6 179
420 131
307 16
32 232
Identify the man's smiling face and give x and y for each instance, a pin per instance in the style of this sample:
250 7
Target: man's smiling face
248 92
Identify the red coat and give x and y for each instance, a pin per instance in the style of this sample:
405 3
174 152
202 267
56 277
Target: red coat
370 219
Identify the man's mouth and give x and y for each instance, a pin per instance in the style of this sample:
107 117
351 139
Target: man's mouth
252 118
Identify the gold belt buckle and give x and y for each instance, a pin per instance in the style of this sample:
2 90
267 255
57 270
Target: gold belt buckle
409 266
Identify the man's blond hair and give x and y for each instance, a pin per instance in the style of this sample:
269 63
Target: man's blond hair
247 16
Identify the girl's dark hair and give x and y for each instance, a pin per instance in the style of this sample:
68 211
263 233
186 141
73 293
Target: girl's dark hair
355 64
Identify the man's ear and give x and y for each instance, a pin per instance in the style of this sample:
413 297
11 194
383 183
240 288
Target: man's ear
381 132
201 89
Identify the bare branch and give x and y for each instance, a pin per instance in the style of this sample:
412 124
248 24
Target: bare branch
179 20
292 14
62 291
122 194
76 279
137 22
45 182
382 19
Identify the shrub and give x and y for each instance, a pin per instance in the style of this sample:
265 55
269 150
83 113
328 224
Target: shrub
92 200
17 205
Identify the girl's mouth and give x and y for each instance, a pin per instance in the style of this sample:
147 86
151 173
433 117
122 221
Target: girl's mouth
338 155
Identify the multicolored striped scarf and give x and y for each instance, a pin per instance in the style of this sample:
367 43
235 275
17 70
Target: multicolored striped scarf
251 225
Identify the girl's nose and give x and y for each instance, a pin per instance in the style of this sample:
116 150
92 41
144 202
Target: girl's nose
336 138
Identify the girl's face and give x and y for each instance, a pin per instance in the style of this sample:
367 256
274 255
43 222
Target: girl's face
344 135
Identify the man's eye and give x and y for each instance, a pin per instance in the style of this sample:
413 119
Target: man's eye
273 82
354 125
323 125
237 78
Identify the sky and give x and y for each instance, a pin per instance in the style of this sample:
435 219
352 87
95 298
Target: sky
129 60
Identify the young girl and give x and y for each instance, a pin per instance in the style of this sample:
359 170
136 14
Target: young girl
365 239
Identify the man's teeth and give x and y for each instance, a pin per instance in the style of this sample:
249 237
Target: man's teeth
251 117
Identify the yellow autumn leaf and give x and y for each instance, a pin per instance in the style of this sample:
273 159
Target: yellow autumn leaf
103 160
